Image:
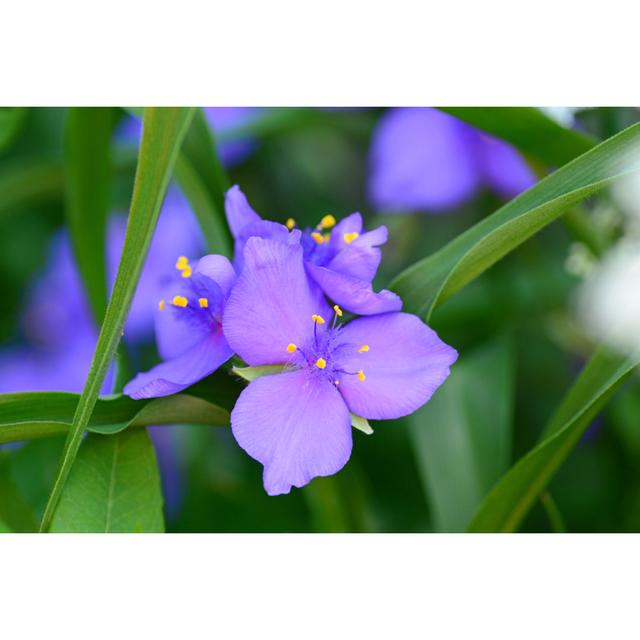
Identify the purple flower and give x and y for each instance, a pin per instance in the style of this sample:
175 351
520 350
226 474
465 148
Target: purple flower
422 159
341 262
297 423
221 120
189 329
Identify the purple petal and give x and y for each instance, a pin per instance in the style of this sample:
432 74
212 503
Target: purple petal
405 364
353 294
361 258
351 224
238 211
219 269
271 304
505 170
223 119
421 159
296 425
181 372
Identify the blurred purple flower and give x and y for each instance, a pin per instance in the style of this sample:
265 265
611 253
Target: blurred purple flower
221 120
422 159
342 262
189 329
297 423
60 334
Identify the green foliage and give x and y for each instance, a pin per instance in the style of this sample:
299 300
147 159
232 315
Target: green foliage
25 416
11 122
462 437
513 496
88 168
163 131
114 487
529 130
431 281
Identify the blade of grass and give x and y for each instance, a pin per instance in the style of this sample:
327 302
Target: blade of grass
162 135
88 168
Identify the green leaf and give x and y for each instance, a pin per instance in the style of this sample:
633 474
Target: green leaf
26 416
162 133
15 512
462 437
528 129
517 491
4 528
88 168
114 487
199 150
437 277
252 373
12 120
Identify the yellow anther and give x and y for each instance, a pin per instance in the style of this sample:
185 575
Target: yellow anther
318 237
203 302
350 237
338 310
361 376
321 363
290 223
364 348
161 305
180 301
291 347
186 272
182 263
327 222
336 382
317 319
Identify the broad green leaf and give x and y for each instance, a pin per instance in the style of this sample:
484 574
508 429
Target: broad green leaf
25 416
528 129
4 528
516 492
462 437
88 167
437 277
11 121
162 133
114 487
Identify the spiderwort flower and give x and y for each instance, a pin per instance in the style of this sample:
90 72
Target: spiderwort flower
422 159
189 329
340 258
297 423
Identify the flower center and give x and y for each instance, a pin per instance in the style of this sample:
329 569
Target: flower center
323 355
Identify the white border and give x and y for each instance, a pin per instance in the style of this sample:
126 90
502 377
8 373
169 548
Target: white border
325 587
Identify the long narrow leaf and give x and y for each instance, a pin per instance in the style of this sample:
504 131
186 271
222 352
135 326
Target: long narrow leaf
163 132
512 498
88 138
435 278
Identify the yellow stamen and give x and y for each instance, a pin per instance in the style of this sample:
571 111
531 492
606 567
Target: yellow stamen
327 236
350 237
321 363
290 223
361 376
182 263
338 310
291 347
161 305
186 272
336 382
364 348
317 319
318 237
327 222
203 302
180 301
